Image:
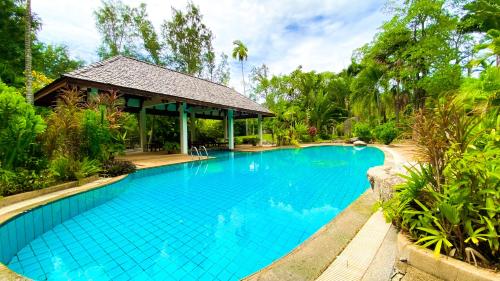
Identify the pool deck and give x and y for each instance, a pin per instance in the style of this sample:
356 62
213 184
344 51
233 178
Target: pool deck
145 160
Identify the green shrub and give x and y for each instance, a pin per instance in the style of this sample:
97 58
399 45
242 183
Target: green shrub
172 147
209 129
295 143
113 168
386 133
339 129
22 180
95 134
363 132
19 127
87 168
65 169
249 140
62 168
450 203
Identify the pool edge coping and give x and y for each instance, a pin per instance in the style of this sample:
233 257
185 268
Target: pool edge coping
6 272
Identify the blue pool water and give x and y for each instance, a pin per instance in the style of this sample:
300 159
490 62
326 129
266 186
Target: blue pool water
220 219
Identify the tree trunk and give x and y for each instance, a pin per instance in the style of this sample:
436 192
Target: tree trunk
245 94
27 52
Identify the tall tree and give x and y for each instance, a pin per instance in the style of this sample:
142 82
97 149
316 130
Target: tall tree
221 73
147 34
115 23
240 52
27 52
259 81
12 36
189 40
53 60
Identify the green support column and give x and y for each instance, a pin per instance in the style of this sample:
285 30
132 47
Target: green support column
230 129
224 124
142 128
193 127
260 129
183 118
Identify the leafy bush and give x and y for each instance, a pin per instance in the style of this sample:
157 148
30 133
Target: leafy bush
87 168
363 132
172 147
113 168
386 133
19 127
22 180
66 169
301 131
451 202
339 129
209 130
295 143
95 134
62 169
247 140
312 131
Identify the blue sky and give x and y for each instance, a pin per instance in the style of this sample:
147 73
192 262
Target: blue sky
318 35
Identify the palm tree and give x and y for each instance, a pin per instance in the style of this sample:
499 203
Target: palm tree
240 52
27 51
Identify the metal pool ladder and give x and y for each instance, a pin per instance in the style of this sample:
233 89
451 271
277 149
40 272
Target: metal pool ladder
203 148
197 152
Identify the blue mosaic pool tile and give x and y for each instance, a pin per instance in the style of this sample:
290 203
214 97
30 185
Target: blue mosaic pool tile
56 213
29 228
197 226
11 233
5 254
65 211
20 237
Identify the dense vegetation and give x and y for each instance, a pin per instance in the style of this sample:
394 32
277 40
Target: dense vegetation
424 51
430 74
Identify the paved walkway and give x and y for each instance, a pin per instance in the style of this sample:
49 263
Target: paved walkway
354 261
371 255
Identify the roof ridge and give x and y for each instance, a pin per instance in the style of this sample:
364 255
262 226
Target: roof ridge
177 71
84 69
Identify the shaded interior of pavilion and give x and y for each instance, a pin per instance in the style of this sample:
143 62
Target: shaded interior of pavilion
185 116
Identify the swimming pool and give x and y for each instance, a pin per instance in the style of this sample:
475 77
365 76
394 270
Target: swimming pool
219 219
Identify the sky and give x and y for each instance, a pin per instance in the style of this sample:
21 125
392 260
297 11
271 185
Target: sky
317 35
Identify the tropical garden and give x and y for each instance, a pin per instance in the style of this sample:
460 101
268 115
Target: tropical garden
431 75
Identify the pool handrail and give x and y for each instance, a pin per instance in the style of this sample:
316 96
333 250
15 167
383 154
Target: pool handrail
197 152
205 149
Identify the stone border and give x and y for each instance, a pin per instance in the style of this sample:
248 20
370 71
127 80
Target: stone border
444 267
16 198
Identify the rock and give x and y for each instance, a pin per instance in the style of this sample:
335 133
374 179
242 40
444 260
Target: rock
352 140
359 143
383 179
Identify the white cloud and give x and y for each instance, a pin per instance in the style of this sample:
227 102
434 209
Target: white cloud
319 35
